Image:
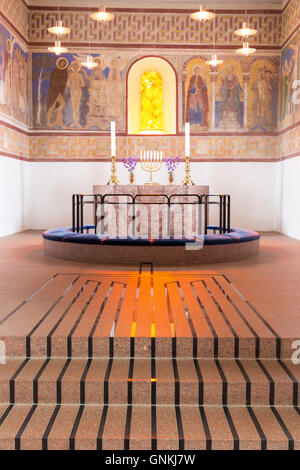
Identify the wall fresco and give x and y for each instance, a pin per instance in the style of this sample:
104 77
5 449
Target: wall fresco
263 96
241 96
67 95
197 94
229 107
289 74
14 100
237 96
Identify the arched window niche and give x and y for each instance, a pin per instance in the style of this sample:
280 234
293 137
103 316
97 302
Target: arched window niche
151 110
152 102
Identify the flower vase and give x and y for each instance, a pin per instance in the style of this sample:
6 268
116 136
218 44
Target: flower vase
171 177
131 177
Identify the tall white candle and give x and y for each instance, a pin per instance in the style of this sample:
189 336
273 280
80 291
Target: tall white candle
187 139
113 138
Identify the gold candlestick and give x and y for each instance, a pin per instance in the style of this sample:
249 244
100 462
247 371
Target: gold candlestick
151 163
113 177
187 179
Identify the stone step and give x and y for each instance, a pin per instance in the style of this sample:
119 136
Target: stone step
114 427
149 381
128 315
147 347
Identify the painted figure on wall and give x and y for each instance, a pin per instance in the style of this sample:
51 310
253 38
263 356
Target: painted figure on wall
19 84
115 86
16 80
98 94
230 91
287 69
290 73
13 78
75 83
7 75
68 95
262 97
55 98
197 99
23 86
295 46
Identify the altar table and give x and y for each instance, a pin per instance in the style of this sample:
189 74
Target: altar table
150 218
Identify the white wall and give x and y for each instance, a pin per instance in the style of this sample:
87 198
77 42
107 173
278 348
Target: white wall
14 192
253 187
290 197
265 196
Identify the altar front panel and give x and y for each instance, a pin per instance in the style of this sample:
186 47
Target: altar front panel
151 220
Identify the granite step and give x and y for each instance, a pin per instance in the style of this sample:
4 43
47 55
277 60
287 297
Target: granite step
202 347
129 315
135 427
149 381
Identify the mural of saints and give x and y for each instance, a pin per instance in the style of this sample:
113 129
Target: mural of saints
295 46
7 76
55 98
290 72
230 108
76 83
23 86
19 84
115 86
67 95
98 94
197 99
13 78
106 99
16 80
262 97
287 69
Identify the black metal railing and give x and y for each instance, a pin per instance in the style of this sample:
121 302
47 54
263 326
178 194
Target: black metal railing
203 202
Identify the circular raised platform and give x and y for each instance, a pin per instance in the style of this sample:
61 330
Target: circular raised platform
93 248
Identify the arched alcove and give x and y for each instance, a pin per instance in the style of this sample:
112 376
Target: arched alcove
169 95
152 101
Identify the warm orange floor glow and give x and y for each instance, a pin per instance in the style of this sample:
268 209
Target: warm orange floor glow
152 330
133 328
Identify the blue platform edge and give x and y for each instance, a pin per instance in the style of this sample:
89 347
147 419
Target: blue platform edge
65 234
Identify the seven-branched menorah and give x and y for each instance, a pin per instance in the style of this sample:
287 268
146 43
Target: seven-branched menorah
151 161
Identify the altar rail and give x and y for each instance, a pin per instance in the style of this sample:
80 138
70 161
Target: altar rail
221 201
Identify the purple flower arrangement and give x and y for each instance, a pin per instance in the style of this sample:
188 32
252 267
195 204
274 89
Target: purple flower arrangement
172 163
130 163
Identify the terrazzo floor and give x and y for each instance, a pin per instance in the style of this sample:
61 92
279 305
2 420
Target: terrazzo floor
149 358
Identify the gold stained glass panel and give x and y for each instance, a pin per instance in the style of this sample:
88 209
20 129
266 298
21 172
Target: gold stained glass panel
151 101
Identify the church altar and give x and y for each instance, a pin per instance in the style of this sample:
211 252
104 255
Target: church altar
151 205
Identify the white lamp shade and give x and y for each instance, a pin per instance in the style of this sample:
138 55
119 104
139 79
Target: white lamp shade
203 15
57 48
59 29
246 50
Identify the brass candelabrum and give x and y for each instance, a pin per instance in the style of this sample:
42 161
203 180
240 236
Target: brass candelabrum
113 176
151 161
187 179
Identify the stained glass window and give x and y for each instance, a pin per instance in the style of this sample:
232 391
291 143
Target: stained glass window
151 101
